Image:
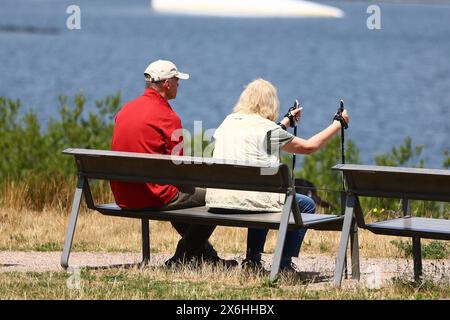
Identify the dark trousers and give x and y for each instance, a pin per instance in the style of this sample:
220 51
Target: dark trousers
194 237
256 238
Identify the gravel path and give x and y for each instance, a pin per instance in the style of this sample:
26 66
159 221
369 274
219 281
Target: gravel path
374 272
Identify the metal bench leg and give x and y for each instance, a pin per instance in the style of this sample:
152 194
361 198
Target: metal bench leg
417 256
345 234
145 242
72 223
345 267
354 248
281 237
343 203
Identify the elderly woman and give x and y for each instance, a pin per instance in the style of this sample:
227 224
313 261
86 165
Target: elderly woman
250 134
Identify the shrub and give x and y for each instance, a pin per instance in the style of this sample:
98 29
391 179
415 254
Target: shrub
316 168
33 171
408 155
435 250
447 160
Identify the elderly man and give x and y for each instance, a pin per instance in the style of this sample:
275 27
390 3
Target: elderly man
145 125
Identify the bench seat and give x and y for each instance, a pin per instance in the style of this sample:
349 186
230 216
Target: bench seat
202 216
413 226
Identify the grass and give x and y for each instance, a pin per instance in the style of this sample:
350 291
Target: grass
25 230
44 231
204 283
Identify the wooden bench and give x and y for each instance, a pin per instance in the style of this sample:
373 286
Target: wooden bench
394 182
198 172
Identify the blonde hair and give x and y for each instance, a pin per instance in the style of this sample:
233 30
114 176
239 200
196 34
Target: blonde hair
259 97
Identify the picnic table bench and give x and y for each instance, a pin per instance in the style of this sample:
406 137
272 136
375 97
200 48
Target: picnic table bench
197 172
394 182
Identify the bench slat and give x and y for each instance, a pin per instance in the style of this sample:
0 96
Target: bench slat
202 216
175 170
413 226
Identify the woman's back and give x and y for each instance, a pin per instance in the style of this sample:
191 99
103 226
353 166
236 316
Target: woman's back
243 137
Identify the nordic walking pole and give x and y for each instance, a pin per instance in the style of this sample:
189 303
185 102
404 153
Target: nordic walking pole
296 105
292 124
344 126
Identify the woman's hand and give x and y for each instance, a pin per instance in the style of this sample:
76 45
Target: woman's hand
296 113
345 116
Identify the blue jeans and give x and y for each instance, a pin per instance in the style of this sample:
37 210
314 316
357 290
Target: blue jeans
294 238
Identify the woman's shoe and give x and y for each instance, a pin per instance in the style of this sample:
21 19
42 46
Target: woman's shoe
289 268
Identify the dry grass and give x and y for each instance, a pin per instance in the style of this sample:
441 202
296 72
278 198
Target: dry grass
55 194
37 221
204 283
27 230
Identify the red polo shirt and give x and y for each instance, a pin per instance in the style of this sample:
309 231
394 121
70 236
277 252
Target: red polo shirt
145 125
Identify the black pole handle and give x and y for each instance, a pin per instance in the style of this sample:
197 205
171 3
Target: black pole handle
338 116
290 116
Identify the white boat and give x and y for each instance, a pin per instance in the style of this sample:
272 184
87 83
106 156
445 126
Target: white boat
247 8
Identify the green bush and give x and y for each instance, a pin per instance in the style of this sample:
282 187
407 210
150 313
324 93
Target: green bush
406 155
435 250
34 172
404 248
28 150
31 163
447 160
316 168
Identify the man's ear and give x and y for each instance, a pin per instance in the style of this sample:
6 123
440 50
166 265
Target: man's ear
166 84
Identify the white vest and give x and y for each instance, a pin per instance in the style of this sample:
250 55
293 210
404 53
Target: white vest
242 137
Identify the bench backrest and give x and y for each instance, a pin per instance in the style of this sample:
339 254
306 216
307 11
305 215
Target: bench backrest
396 182
165 169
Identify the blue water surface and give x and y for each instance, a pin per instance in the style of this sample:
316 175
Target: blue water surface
395 81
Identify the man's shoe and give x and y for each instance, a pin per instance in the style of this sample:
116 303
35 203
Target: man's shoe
175 261
209 255
219 262
180 257
253 265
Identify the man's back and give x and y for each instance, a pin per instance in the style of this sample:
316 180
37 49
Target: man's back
146 125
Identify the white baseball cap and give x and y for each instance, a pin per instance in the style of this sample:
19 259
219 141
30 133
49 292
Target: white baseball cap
162 70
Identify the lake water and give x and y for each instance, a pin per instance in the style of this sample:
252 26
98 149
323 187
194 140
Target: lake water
394 81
